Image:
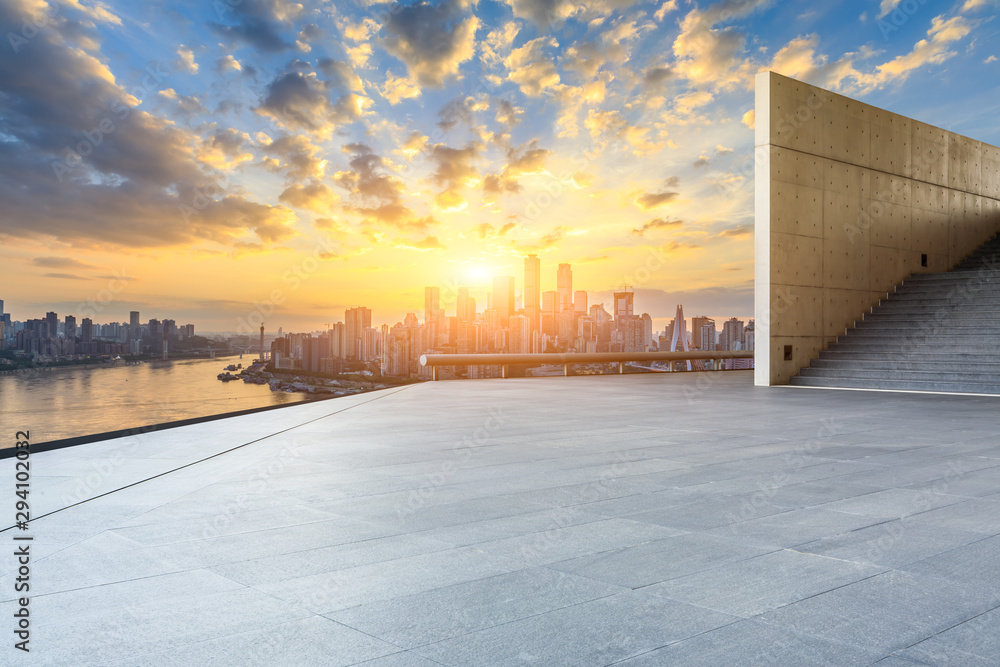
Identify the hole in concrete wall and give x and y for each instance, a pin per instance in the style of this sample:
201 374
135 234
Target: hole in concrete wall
923 259
788 353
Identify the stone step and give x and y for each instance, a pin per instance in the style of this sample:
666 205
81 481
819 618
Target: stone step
946 387
900 376
905 365
895 349
877 323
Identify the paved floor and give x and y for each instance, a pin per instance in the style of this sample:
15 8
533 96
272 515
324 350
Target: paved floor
685 519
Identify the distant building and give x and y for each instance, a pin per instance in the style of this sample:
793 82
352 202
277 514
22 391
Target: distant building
532 291
623 305
564 286
503 296
356 320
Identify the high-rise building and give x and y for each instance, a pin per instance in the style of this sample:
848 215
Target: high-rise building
337 347
580 301
503 296
564 285
707 337
134 328
532 290
624 305
52 324
519 341
356 320
432 301
550 306
86 330
69 327
732 334
462 306
370 348
696 326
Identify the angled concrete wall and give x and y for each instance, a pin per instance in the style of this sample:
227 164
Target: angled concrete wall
848 199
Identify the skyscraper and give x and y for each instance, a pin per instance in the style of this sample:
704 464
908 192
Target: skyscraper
564 285
134 328
69 327
580 301
503 297
732 334
462 306
550 304
532 290
356 320
52 323
520 335
432 301
86 330
696 327
623 305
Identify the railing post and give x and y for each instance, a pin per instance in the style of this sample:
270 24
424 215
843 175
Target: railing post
621 368
434 373
565 370
503 371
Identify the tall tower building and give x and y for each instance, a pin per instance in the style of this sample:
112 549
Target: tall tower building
696 328
624 307
550 305
134 328
356 320
69 327
86 330
732 334
532 290
503 297
564 285
52 323
462 306
432 301
580 301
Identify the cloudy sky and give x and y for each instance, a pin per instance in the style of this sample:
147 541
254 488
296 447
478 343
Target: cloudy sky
208 160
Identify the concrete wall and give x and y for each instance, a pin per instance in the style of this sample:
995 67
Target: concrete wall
848 197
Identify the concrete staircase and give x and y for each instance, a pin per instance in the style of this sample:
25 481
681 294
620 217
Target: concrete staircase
937 332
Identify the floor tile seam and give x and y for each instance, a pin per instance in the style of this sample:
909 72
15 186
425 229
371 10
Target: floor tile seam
713 566
207 458
444 547
184 570
960 623
368 661
594 518
522 618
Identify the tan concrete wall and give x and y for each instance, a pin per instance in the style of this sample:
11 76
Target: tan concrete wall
848 197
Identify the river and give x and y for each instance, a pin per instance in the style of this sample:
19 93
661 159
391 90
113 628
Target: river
72 401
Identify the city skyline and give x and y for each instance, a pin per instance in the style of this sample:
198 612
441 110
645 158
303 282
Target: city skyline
195 159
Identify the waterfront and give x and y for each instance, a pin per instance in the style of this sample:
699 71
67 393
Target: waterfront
66 402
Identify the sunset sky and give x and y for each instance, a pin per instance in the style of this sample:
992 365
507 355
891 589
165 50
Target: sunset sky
191 159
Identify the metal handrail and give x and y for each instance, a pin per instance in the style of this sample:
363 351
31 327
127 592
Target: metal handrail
567 358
